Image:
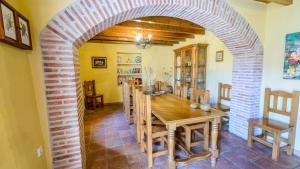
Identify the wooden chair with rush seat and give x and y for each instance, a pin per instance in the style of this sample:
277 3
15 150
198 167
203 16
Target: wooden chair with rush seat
274 128
91 98
193 130
150 133
128 102
224 94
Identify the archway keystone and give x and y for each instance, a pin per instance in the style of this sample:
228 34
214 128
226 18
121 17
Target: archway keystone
83 19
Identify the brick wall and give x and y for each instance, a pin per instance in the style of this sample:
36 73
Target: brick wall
85 18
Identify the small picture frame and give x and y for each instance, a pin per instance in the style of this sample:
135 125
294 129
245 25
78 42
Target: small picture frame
8 31
23 32
99 62
219 56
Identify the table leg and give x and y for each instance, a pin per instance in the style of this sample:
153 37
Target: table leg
171 146
214 140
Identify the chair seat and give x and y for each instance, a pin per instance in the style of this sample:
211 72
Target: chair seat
92 96
270 125
221 107
157 131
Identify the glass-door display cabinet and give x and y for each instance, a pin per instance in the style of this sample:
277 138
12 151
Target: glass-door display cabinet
190 67
200 67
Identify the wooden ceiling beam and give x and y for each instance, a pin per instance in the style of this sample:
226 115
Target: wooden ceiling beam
162 28
134 31
282 2
169 21
128 42
130 39
130 36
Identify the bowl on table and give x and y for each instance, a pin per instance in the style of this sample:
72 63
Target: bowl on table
205 107
194 105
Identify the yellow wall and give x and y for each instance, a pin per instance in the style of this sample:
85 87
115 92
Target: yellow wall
40 13
20 130
157 57
280 21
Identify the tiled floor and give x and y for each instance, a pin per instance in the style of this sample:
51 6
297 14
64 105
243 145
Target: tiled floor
110 144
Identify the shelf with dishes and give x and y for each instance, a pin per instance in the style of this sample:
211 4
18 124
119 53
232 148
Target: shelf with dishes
129 67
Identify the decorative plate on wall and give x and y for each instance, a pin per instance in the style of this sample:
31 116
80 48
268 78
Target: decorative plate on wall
138 59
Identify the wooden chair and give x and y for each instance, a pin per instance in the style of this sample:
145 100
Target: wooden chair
149 133
274 128
137 96
192 130
224 94
180 91
177 90
158 86
91 96
128 102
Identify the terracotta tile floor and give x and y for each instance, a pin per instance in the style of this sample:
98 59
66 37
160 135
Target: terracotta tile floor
110 144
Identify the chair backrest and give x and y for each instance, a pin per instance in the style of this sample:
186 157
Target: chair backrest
184 92
180 91
126 97
224 92
200 96
137 96
89 88
146 112
158 85
283 109
177 90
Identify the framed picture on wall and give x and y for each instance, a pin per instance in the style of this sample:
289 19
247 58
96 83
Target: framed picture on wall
99 62
219 56
291 68
23 32
8 31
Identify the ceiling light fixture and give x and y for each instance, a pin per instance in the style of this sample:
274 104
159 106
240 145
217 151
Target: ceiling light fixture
143 41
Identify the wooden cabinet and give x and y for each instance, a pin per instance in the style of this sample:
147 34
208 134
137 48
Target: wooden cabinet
190 67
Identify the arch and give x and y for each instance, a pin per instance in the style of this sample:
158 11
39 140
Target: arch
83 19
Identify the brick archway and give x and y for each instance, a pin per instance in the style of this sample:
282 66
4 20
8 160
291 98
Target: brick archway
80 21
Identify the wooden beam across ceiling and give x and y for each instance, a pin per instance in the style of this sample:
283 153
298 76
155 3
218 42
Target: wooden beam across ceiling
161 43
131 39
135 31
164 31
120 35
282 2
168 21
161 28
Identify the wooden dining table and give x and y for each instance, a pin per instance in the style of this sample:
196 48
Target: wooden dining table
174 111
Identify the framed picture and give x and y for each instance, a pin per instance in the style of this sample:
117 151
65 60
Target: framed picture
291 68
8 30
219 56
99 62
23 32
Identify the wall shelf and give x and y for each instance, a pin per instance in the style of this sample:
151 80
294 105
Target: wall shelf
129 67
